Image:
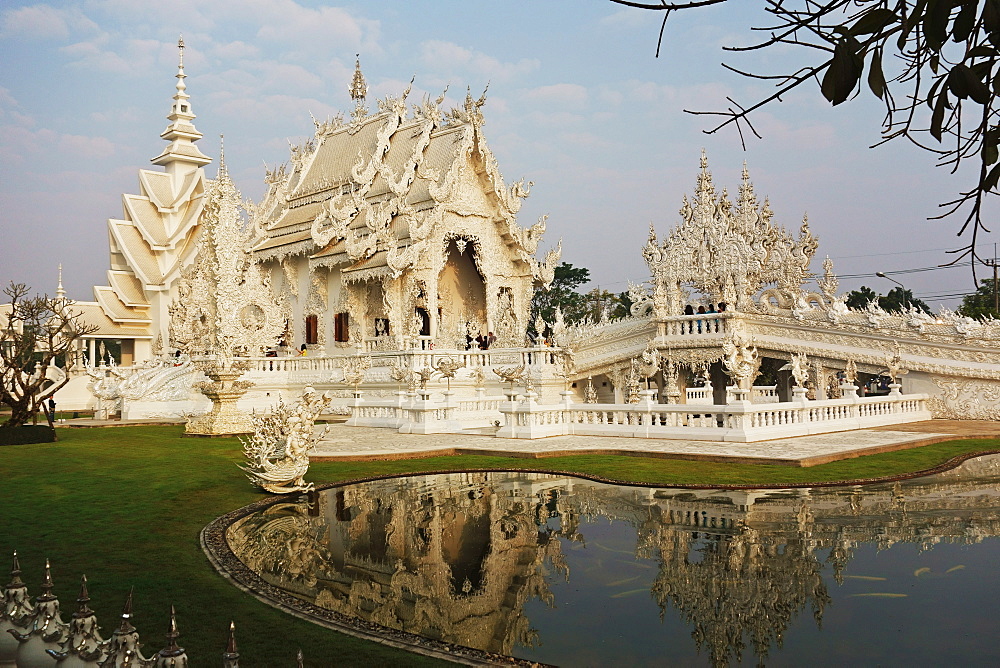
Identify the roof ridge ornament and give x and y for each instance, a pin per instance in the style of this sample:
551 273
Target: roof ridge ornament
358 90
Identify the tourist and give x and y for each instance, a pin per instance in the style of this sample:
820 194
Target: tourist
686 327
303 351
490 340
481 341
701 310
713 325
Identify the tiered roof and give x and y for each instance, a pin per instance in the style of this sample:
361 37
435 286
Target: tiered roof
159 226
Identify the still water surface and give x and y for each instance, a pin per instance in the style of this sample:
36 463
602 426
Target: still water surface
567 571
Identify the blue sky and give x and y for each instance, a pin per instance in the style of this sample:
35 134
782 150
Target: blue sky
577 103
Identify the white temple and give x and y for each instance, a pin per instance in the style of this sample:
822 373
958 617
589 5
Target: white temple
390 240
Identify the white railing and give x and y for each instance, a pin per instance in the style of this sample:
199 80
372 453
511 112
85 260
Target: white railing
413 359
699 395
700 324
759 394
416 413
738 422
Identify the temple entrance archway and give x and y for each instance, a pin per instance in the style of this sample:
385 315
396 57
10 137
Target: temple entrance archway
461 293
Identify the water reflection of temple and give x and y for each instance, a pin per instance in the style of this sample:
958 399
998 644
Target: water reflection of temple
455 557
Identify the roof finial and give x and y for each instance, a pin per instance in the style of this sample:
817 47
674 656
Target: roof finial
60 292
181 131
223 172
358 90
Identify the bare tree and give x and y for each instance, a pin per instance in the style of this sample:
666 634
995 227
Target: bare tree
36 331
934 63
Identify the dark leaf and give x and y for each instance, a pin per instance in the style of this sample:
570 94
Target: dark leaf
991 16
990 182
965 21
964 83
874 21
842 75
981 51
937 118
935 62
876 78
910 22
936 23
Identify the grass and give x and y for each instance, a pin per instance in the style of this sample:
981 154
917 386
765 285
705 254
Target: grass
125 506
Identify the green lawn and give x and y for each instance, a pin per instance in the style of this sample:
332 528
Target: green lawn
125 505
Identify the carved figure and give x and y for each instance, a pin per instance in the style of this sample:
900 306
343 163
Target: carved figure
278 451
448 367
741 360
800 369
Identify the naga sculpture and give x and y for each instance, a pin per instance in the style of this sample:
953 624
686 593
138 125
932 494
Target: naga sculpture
278 452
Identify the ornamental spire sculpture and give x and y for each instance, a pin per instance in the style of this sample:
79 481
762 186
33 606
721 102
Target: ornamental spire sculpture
358 90
181 133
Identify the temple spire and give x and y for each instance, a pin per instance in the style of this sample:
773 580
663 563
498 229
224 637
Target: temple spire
60 291
358 90
181 153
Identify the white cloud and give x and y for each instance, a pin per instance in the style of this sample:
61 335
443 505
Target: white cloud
563 93
43 22
450 57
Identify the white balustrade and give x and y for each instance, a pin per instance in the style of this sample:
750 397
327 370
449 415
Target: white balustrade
739 422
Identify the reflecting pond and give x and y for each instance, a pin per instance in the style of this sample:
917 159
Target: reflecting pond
568 571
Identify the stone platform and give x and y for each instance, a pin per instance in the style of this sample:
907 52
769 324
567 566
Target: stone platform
364 443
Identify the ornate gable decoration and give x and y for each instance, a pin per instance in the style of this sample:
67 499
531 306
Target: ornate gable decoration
225 304
730 252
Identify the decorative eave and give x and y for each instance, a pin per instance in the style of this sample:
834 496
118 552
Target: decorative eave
139 257
128 289
118 312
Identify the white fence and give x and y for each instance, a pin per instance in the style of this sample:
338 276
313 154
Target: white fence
741 422
759 394
415 413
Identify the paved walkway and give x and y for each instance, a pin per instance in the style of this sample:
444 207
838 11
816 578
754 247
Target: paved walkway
365 443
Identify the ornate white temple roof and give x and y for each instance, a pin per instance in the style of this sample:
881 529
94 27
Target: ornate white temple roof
359 191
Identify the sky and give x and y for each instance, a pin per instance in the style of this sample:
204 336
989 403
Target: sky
577 103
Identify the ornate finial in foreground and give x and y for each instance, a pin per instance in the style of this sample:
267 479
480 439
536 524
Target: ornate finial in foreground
15 574
172 654
83 599
47 585
231 658
126 625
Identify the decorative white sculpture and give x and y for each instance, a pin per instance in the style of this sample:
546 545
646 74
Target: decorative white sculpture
278 452
741 360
